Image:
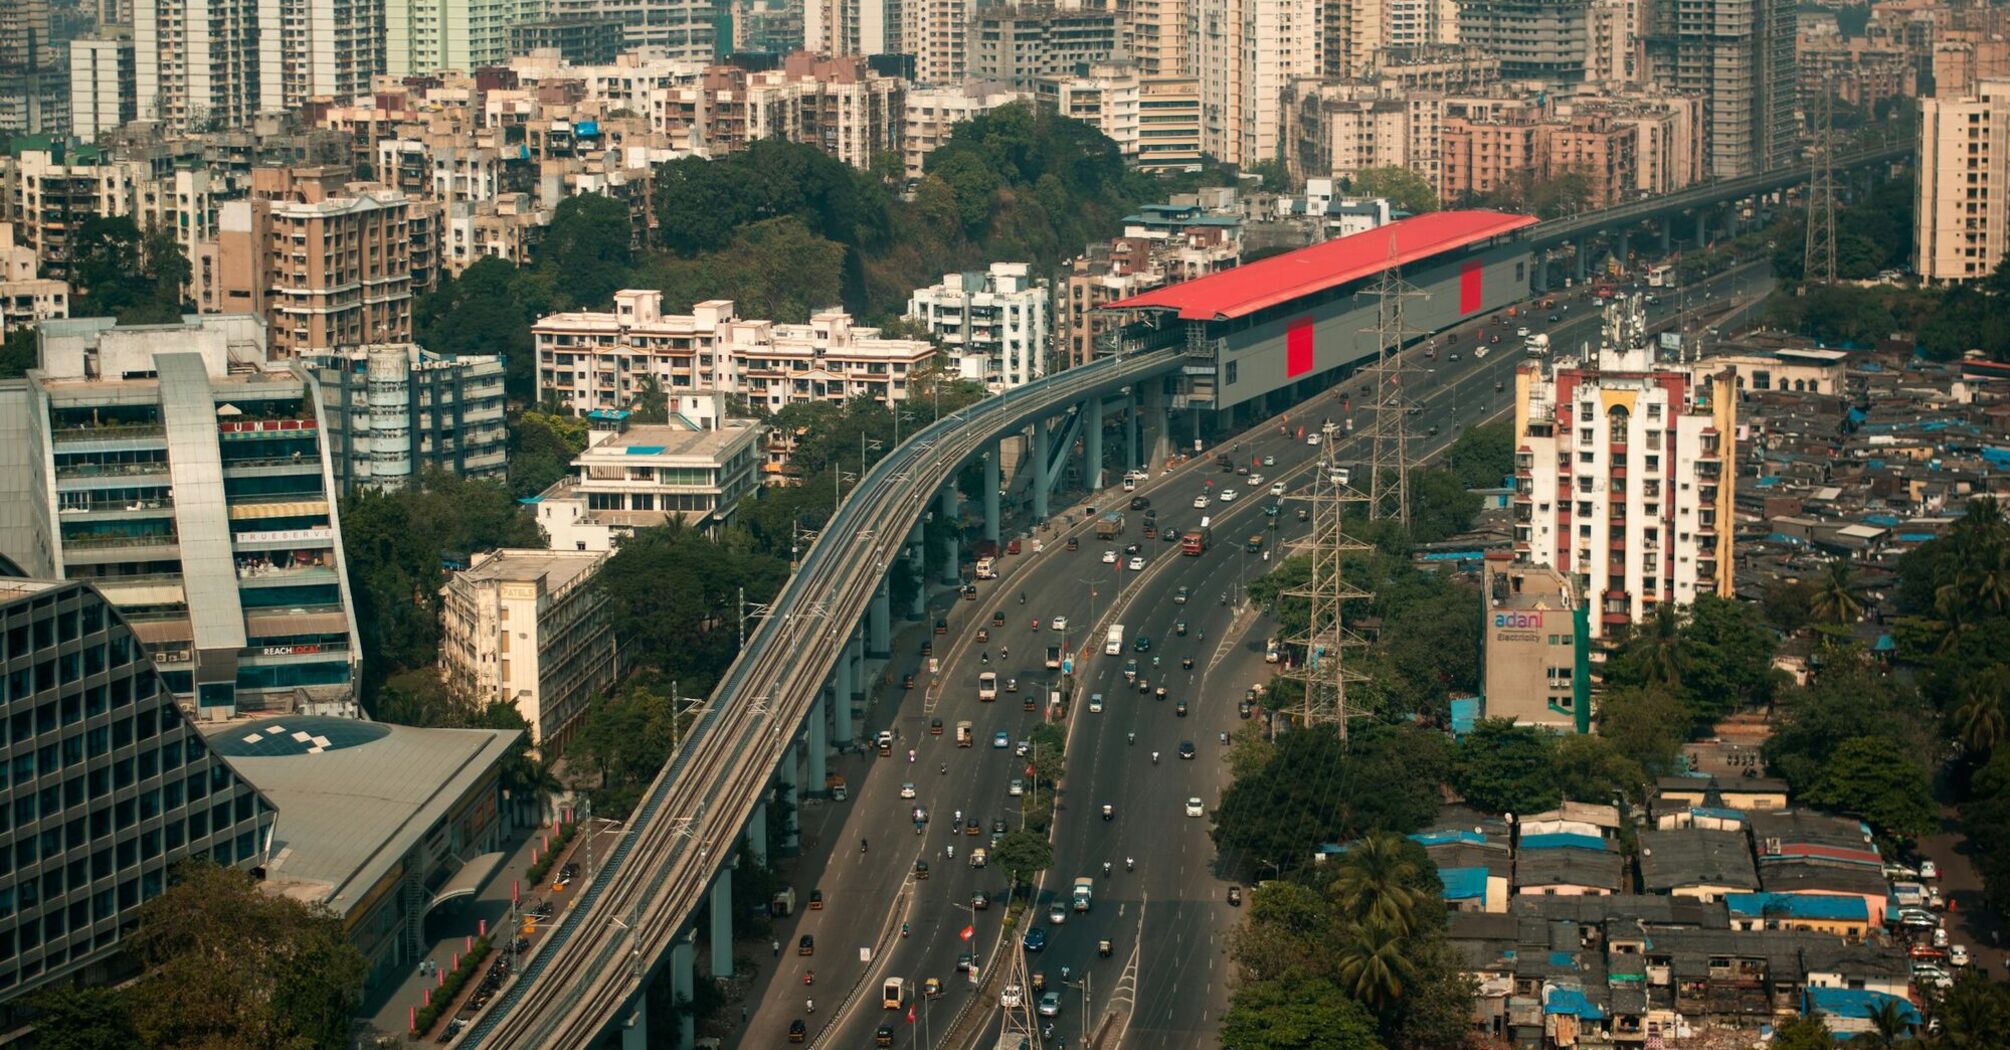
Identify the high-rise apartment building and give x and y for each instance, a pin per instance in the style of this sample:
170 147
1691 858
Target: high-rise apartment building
169 467
201 63
432 36
681 30
993 325
391 413
110 789
1168 123
1103 96
32 68
1620 475
1249 52
47 191
24 297
1540 40
529 628
326 48
592 360
326 269
1738 57
861 28
1962 222
103 90
1161 36
1020 43
936 33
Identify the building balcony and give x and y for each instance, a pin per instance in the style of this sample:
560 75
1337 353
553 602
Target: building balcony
111 435
82 473
116 509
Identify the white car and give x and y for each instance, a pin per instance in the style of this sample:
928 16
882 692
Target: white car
1058 623
1137 563
1255 480
907 790
1270 461
1932 977
1022 748
1277 489
1057 915
1958 955
1016 788
1312 439
1521 332
1194 808
1200 502
1228 495
1928 870
1110 556
1095 703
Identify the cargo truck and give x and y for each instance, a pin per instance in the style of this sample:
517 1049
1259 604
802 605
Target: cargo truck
1110 526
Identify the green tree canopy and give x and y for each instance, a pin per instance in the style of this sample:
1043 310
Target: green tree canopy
1023 854
1317 790
1406 189
120 271
673 598
1890 791
1297 1013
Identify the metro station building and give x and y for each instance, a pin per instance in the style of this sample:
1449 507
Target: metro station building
1266 334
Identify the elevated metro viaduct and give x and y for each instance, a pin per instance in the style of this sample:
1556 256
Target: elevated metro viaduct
1277 331
1274 330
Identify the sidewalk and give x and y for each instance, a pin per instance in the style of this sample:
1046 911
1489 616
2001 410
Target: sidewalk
387 1009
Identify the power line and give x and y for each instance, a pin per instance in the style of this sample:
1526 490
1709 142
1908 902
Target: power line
1323 668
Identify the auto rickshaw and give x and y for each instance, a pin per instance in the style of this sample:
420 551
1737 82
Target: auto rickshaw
1074 544
1186 663
1039 980
1103 947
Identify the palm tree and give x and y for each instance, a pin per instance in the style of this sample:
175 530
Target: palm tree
1979 720
1838 598
1377 883
1887 1026
1949 605
1374 965
1985 578
1660 651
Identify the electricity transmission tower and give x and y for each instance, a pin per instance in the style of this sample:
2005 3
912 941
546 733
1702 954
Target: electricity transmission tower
1018 1030
1818 259
1389 441
1324 669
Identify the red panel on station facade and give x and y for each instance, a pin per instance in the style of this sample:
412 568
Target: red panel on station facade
1298 348
1471 279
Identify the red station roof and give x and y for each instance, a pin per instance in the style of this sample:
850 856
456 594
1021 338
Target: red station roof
1293 275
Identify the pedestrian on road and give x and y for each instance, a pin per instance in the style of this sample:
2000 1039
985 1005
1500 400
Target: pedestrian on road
778 949
743 1014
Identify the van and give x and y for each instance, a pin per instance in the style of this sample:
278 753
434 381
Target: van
1113 642
893 994
987 569
1270 651
987 686
965 735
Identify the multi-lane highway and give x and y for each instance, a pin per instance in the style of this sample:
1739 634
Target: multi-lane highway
1169 913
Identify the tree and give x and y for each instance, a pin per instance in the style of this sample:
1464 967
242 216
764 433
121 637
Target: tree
588 247
1502 767
1317 790
1594 769
1296 1012
1023 854
626 739
87 1018
1373 964
120 271
488 309
1843 703
227 966
673 596
1377 882
1979 721
1787 604
1646 724
1436 1011
1837 597
1974 1013
1405 189
1891 792
542 447
1802 1033
19 353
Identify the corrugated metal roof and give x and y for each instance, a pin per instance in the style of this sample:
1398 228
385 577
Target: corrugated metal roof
1294 275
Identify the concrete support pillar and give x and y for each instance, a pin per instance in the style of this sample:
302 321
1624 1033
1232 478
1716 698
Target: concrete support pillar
992 458
722 923
844 687
917 566
635 1027
1158 400
817 748
879 620
1538 281
683 984
1583 257
1132 421
1042 475
1622 246
757 833
947 509
1702 228
1092 443
787 780
1667 236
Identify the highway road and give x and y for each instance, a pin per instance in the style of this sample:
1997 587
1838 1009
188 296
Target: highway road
1171 909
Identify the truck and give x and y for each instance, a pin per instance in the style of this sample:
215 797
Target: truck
987 686
965 734
783 904
1194 542
1113 642
1085 891
1053 658
1538 344
1110 526
1223 463
987 568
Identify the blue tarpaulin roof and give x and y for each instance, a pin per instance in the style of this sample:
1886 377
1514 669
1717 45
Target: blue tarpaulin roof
1860 1004
1858 415
643 450
1997 456
1720 812
1440 838
1464 884
1572 1001
1886 520
1465 712
1563 840
1916 537
1799 906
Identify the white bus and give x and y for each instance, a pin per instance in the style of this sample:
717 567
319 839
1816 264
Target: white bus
1113 643
1662 276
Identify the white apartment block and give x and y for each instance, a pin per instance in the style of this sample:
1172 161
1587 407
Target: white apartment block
1249 53
591 360
992 325
1341 129
1620 477
930 116
24 297
48 193
637 476
933 32
529 628
103 92
1104 96
432 36
1962 229
325 49
389 414
678 30
200 63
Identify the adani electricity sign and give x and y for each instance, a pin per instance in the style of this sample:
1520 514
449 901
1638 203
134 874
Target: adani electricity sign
1521 625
